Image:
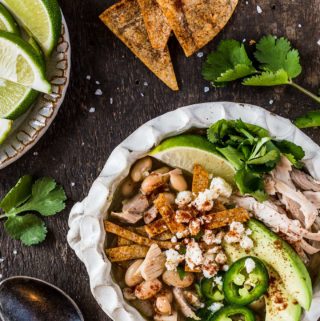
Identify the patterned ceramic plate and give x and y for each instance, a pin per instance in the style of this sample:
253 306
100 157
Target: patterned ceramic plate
87 236
30 127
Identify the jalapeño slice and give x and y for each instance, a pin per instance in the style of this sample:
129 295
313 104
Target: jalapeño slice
211 290
233 312
246 281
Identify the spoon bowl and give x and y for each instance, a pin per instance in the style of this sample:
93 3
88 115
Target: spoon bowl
29 299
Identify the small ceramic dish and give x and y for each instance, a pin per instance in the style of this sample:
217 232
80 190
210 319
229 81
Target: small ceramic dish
87 236
31 126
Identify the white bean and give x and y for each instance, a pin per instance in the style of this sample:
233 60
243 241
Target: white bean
178 181
147 289
152 182
163 305
141 168
133 276
127 187
172 278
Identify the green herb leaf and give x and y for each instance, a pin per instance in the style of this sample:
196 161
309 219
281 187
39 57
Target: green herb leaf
18 194
251 183
287 147
276 54
294 161
311 119
181 272
268 78
229 62
273 155
47 198
28 228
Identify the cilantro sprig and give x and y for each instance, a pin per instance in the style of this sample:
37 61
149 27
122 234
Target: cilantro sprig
43 196
252 152
277 63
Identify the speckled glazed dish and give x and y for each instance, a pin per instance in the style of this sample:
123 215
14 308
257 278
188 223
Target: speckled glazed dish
87 236
31 126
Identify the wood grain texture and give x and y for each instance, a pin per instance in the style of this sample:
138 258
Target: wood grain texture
78 143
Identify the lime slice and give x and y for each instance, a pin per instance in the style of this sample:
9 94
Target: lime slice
7 22
41 17
187 150
20 63
15 99
5 128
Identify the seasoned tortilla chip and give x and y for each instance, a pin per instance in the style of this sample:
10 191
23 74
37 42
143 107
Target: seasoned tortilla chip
196 22
124 19
155 22
125 253
156 227
200 180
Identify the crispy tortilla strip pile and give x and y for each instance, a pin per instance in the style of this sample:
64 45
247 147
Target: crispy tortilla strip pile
196 22
124 19
156 23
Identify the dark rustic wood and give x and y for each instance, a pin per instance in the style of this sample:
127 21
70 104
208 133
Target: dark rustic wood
78 143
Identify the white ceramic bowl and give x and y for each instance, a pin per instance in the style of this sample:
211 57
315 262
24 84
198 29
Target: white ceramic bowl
31 126
87 236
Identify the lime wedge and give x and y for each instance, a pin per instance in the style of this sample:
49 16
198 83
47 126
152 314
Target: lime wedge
7 22
20 63
15 99
185 151
5 128
41 17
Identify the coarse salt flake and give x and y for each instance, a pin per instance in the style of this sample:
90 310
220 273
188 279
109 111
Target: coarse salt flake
88 77
259 9
200 54
206 89
318 42
92 110
98 92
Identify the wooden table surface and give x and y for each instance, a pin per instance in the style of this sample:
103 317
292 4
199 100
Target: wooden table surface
78 143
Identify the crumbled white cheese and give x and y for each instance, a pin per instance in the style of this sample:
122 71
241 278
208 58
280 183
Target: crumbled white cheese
221 187
195 226
225 268
221 258
249 265
173 258
259 9
204 200
183 198
218 280
174 239
193 255
246 243
208 237
216 306
182 234
237 227
209 268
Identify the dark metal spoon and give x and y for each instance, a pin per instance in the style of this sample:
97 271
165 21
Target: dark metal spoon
28 299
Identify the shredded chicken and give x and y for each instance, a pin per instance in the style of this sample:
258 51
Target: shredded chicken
172 317
138 204
313 197
305 181
127 217
183 305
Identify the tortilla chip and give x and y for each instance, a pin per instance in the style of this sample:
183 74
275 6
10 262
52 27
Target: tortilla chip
124 19
196 22
200 180
125 253
155 22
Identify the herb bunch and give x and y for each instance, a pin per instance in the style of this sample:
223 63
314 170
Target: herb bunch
252 152
277 63
43 196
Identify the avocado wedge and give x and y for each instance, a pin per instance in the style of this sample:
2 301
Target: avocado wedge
279 255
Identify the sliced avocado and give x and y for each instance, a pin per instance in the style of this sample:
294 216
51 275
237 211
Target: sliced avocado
278 254
280 305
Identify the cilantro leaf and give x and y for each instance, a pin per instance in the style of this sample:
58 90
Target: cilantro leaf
265 159
229 62
276 54
29 229
47 198
287 147
18 194
181 272
268 78
311 119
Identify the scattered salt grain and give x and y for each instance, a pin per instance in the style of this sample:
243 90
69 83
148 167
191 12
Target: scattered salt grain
145 84
1 276
35 154
111 100
247 2
270 101
206 89
318 42
259 9
73 184
244 40
2 259
98 82
92 110
15 252
98 92
142 94
200 54
299 25
88 77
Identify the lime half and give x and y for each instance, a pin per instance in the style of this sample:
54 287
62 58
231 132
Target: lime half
5 128
15 99
41 17
7 22
185 151
20 63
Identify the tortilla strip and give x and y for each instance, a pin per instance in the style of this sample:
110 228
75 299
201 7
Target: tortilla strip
196 22
156 228
168 214
155 22
122 241
125 253
218 207
195 270
200 180
124 19
136 238
224 218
